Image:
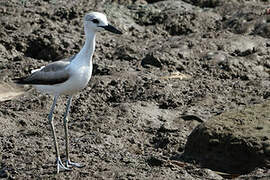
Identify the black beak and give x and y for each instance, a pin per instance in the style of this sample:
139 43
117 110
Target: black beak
111 29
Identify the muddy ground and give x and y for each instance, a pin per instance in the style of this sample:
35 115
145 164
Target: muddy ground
177 65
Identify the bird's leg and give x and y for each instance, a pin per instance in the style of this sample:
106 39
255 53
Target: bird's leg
50 117
69 163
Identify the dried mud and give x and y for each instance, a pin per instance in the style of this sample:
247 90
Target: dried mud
178 65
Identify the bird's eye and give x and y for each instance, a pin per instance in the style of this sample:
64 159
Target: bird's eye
95 21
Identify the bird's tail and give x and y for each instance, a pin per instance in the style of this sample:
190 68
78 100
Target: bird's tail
10 91
20 81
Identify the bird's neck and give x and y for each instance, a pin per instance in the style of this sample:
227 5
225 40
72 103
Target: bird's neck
88 49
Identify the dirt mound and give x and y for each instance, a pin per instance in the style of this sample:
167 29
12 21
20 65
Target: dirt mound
234 142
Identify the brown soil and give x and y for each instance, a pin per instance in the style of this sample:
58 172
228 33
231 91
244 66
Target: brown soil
177 64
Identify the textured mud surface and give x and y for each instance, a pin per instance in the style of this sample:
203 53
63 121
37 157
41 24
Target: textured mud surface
227 148
177 65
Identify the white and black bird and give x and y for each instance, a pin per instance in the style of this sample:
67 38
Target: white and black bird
69 76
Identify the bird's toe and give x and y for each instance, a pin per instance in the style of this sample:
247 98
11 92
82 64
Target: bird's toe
73 164
60 166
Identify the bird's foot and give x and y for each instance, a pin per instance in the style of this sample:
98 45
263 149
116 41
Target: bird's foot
60 165
73 164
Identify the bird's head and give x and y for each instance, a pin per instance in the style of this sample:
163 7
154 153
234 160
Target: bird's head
96 21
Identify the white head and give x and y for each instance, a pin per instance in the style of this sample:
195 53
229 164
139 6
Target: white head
96 21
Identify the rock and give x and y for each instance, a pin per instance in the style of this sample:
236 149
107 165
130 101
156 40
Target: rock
150 59
236 141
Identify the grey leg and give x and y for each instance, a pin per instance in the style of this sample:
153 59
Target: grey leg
50 117
69 163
